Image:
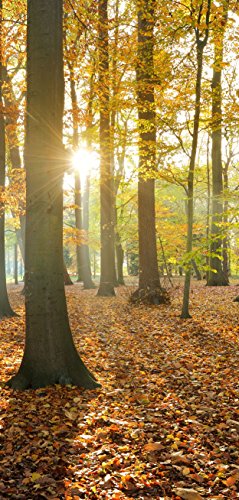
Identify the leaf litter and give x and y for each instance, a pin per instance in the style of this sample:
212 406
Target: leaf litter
164 425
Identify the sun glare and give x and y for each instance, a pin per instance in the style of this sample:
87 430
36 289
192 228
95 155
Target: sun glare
85 162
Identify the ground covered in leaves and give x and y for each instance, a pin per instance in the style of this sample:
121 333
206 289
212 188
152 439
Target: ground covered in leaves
164 425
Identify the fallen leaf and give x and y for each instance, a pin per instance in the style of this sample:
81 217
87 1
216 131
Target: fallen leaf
188 494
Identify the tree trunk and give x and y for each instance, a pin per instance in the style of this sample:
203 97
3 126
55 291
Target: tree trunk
200 45
75 143
50 356
15 264
78 219
217 277
208 208
196 270
225 243
107 275
67 278
88 282
150 290
5 308
119 259
13 143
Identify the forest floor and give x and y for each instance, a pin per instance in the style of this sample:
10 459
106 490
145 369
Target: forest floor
164 424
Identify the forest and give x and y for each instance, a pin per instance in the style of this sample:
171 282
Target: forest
119 260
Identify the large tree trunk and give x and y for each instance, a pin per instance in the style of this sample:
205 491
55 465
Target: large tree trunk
107 275
200 45
5 308
149 290
217 276
50 355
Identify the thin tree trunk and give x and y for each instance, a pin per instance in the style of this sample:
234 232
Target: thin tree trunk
13 141
119 259
78 219
88 282
208 208
200 45
169 276
75 143
225 263
87 276
5 308
16 264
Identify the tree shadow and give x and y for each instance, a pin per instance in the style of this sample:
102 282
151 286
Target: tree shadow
39 443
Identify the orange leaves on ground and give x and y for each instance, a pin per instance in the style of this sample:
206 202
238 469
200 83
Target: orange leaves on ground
165 422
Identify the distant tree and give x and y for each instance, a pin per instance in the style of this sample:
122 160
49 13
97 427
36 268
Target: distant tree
5 308
201 34
50 355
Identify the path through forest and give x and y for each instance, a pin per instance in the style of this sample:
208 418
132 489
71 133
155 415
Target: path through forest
165 421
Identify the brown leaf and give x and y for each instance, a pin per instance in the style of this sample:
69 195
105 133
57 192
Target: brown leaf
156 446
188 494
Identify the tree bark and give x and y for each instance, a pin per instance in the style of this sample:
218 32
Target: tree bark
150 290
50 356
5 308
107 275
217 275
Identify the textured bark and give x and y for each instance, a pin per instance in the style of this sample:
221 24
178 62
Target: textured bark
217 275
149 290
107 274
5 308
50 355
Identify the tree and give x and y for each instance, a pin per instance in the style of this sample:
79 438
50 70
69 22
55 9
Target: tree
217 275
5 308
50 355
150 289
107 275
201 42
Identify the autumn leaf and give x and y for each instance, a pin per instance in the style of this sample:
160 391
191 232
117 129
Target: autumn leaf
188 494
153 446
